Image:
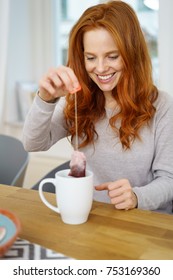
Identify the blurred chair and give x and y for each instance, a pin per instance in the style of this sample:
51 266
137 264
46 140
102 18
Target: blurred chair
48 187
13 161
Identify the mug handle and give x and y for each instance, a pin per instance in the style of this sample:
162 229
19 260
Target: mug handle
48 204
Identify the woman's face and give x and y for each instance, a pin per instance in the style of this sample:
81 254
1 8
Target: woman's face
103 62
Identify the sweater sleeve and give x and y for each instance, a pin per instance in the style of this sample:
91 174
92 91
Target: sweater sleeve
44 125
159 191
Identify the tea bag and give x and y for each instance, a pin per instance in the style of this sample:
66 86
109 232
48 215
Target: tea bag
78 159
77 164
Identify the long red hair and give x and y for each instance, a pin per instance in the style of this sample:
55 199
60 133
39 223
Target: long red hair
135 92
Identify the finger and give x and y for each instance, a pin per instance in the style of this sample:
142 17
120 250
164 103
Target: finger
123 205
117 184
59 79
126 201
55 80
126 204
124 189
47 86
121 198
76 89
66 81
102 187
73 78
68 78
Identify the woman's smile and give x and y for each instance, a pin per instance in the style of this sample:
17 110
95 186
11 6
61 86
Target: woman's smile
105 78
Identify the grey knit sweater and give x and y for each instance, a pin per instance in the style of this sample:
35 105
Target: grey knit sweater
148 165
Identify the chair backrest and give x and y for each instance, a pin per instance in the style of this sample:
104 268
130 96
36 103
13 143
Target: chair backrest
13 161
51 174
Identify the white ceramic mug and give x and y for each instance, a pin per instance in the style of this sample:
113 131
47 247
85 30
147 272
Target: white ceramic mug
74 196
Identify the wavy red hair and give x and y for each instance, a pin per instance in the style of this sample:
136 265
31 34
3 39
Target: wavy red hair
135 92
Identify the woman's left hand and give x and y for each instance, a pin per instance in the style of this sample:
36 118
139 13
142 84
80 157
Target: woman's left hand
120 193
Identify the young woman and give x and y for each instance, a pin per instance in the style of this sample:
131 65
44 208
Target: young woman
125 124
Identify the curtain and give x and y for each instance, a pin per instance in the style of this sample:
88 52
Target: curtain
4 17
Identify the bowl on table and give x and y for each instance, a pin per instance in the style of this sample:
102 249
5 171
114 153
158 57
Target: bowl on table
9 230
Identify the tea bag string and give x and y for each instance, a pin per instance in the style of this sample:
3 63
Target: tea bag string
76 122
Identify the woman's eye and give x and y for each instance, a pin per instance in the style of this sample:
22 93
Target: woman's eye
113 57
90 58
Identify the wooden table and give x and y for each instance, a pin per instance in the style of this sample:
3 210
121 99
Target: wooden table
109 234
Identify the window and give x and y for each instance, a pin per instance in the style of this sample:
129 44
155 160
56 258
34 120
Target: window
63 14
66 12
147 14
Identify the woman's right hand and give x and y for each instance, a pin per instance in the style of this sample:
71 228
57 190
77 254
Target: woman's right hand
57 82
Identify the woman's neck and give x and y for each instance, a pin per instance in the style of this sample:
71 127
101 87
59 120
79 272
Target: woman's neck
110 102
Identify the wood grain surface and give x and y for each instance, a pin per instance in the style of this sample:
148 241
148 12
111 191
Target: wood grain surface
108 234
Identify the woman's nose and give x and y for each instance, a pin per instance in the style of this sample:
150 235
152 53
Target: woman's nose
101 66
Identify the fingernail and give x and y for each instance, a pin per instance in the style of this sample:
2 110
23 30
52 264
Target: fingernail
76 89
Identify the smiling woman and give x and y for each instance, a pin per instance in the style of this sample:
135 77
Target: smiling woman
123 119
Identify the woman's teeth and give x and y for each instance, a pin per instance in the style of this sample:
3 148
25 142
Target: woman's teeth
105 77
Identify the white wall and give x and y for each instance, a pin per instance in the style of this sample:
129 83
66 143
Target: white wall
29 46
165 43
19 53
4 16
76 7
